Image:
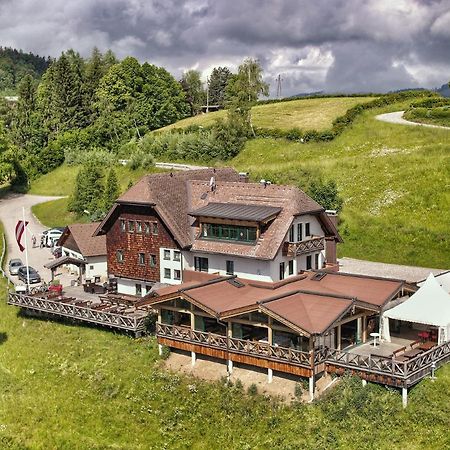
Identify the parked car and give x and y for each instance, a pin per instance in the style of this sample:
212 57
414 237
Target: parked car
51 237
33 275
14 265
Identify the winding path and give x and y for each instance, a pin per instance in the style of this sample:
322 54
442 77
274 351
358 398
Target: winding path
397 117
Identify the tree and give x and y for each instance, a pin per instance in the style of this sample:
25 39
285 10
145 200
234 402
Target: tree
111 190
244 89
193 88
326 194
217 85
88 193
10 169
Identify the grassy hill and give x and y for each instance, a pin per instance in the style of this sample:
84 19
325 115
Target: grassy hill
310 113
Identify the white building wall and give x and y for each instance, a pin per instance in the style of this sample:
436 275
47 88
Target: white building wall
96 266
128 287
171 265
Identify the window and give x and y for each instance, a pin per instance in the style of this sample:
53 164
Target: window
200 264
147 228
138 227
316 261
282 269
308 262
154 228
123 225
307 229
291 267
230 267
167 255
131 225
228 232
177 274
299 232
148 288
291 234
138 289
152 260
91 267
119 256
176 255
167 273
141 258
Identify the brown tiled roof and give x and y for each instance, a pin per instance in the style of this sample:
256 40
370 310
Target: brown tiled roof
291 200
80 237
313 313
308 304
170 195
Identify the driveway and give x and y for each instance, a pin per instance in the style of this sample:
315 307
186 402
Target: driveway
397 117
10 212
377 269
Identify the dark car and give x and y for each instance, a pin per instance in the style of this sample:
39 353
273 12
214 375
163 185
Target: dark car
33 275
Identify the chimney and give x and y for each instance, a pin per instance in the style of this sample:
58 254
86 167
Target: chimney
330 244
243 177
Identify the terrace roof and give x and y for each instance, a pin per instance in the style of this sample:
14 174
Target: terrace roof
254 213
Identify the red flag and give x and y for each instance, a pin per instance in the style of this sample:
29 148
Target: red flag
20 228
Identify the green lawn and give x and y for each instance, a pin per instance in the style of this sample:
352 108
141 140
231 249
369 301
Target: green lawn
306 114
394 179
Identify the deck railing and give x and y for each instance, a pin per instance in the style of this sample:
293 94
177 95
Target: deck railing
409 372
122 321
313 244
235 345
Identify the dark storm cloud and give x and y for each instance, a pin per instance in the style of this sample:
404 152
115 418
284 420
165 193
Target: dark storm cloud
345 45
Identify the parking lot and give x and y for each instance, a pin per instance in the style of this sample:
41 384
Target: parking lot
10 212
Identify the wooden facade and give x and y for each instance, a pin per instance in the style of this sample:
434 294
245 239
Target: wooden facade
141 240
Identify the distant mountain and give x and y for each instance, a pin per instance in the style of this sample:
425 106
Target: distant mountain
15 64
444 90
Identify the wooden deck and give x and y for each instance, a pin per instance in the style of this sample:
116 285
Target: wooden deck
378 369
131 319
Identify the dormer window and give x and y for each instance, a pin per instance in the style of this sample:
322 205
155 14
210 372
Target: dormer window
228 232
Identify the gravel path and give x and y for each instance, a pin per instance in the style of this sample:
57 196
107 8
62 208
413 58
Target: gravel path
10 212
397 117
408 273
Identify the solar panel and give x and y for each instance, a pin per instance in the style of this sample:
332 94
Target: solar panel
235 283
318 276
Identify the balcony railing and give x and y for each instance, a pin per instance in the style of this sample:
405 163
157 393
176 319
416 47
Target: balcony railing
314 244
235 345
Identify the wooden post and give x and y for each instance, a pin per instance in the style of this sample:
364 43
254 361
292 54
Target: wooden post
359 329
230 335
364 328
339 337
404 397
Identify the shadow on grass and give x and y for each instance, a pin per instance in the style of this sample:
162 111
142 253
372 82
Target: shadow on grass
3 338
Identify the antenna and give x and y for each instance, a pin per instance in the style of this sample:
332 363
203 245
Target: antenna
279 81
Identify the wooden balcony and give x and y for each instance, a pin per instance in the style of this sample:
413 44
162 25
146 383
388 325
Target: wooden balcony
314 244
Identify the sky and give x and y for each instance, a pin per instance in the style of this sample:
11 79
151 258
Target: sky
320 45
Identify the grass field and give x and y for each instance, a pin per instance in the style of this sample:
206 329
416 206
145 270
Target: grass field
306 114
395 181
433 116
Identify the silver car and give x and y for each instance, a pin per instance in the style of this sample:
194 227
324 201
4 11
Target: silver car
14 265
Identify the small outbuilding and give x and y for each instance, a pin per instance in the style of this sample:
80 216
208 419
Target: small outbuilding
429 307
78 241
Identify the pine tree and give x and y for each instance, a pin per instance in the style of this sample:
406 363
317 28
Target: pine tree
111 190
218 81
88 194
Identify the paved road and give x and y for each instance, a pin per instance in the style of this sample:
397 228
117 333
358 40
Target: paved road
408 273
397 117
10 212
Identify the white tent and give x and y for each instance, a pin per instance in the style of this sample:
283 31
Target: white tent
430 305
442 278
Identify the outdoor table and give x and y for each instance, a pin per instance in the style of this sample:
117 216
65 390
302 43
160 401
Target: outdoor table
427 346
375 336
